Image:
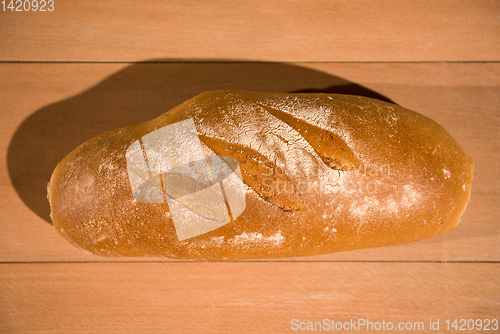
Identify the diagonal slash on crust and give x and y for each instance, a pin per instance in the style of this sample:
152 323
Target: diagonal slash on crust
259 173
331 148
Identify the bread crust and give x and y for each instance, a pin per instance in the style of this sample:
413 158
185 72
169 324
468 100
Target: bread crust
322 173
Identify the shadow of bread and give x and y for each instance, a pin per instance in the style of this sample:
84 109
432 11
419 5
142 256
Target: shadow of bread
138 93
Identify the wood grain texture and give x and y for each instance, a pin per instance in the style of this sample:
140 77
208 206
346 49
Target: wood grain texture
275 30
70 103
47 109
239 297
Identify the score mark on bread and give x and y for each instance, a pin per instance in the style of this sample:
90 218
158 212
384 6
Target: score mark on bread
263 176
331 148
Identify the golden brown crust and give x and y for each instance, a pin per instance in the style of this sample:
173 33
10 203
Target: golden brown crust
322 173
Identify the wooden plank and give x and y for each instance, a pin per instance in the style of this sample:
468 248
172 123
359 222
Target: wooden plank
48 109
277 30
240 297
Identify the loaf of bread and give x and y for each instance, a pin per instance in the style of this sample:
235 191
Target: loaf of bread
233 175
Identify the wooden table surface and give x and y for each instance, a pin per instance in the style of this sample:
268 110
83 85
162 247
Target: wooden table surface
89 66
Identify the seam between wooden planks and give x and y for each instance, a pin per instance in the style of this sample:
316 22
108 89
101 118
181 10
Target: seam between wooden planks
187 61
250 261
